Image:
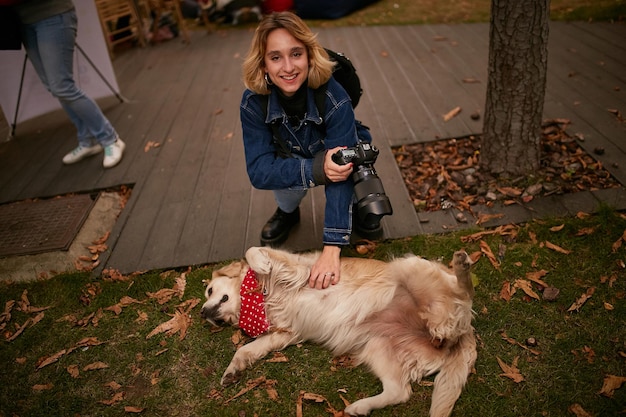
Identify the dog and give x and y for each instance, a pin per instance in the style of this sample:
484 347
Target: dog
405 319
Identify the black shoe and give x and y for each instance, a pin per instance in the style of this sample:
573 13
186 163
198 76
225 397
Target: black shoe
278 226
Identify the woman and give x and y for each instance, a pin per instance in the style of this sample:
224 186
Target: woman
49 36
284 67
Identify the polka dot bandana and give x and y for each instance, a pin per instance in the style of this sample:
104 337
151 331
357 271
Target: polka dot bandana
252 318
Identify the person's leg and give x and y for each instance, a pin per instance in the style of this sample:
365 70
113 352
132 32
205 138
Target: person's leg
52 42
289 200
287 215
54 45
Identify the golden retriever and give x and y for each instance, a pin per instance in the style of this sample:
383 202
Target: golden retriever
404 319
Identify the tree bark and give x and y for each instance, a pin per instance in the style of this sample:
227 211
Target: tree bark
518 61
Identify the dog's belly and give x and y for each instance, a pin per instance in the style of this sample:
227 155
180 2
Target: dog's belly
334 318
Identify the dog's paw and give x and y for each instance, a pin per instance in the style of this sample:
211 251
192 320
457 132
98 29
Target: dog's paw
461 261
230 378
357 409
258 260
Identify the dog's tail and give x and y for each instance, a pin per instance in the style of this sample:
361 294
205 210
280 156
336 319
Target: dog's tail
452 377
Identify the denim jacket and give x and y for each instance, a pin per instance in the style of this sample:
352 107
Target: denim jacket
308 143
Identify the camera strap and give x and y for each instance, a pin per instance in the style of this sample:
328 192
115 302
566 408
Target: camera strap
282 149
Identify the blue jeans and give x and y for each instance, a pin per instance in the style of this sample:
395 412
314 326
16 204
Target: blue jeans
289 200
50 47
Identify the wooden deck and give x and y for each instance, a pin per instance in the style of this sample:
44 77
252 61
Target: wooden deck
192 202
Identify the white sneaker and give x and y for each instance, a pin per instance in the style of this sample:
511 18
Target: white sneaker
80 153
113 153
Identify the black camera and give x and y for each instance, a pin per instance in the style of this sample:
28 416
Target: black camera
372 202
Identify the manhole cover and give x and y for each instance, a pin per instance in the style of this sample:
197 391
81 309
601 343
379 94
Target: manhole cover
29 227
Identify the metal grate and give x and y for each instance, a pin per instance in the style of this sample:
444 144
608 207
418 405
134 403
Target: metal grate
29 227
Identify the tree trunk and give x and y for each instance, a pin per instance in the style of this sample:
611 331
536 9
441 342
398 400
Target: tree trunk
518 60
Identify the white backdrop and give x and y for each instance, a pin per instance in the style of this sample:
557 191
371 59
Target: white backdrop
35 99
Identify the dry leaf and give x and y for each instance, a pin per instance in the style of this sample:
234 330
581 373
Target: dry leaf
557 248
73 371
557 228
449 115
250 385
618 243
150 144
95 366
131 409
578 410
484 218
113 385
505 292
51 359
582 299
585 231
42 387
511 371
610 384
525 286
536 277
179 322
510 191
484 248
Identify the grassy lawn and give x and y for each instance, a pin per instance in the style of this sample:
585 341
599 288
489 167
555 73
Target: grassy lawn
90 351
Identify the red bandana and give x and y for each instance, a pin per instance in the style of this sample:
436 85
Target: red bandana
252 318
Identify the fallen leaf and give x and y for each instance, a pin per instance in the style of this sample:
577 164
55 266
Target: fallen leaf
131 409
557 228
250 385
535 276
484 218
511 371
449 115
582 299
73 371
557 248
179 323
95 366
505 292
610 384
150 145
525 286
42 387
51 359
484 248
578 410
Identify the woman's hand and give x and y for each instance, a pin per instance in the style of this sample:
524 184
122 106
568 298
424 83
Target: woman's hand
326 271
333 171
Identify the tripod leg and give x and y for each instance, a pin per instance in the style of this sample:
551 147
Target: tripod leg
19 96
117 94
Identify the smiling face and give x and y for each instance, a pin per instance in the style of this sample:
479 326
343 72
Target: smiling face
286 61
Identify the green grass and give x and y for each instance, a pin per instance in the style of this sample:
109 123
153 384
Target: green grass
166 376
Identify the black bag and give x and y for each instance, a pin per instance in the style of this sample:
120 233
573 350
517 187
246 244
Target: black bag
10 30
345 74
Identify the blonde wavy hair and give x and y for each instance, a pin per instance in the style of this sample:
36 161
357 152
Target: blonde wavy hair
320 65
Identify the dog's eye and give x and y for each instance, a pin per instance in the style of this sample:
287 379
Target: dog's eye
224 299
210 291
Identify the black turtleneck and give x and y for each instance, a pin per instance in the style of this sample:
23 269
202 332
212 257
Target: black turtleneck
294 106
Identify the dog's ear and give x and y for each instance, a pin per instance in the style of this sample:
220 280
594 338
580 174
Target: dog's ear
232 270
